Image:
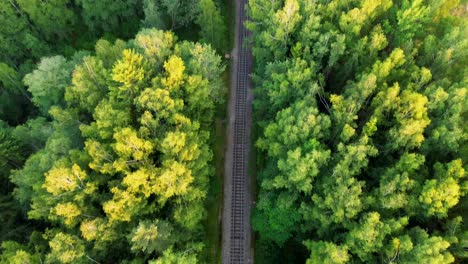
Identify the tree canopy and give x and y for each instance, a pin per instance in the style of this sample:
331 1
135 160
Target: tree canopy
126 163
361 109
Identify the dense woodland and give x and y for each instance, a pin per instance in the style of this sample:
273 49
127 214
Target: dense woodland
362 131
107 111
32 29
106 123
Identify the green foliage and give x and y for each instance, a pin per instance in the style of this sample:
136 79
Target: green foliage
54 19
277 217
33 134
425 248
11 156
66 249
13 97
156 45
20 41
212 29
130 73
152 237
15 253
361 110
169 14
48 82
324 252
153 15
440 194
118 17
179 12
122 170
170 257
114 138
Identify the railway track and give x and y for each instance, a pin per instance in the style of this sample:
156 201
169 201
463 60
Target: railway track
236 219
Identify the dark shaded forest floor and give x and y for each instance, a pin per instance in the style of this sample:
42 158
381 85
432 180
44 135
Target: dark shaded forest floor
212 253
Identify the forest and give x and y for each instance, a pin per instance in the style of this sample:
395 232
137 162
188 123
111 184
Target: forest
361 127
107 111
111 131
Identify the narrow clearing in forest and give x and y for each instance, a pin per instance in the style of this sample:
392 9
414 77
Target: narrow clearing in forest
237 196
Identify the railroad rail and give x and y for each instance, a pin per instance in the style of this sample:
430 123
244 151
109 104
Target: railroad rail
236 219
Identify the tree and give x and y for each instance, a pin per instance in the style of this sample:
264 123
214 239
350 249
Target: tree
180 12
412 119
20 41
69 211
411 20
440 194
14 99
33 134
368 236
53 18
360 109
124 206
141 181
445 132
15 253
203 61
11 156
107 16
276 217
291 141
109 52
170 257
130 73
325 252
157 45
152 237
153 15
211 24
175 68
130 147
285 20
66 249
175 179
357 18
159 102
48 82
190 210
262 13
121 171
89 84
398 183
62 179
425 248
108 117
